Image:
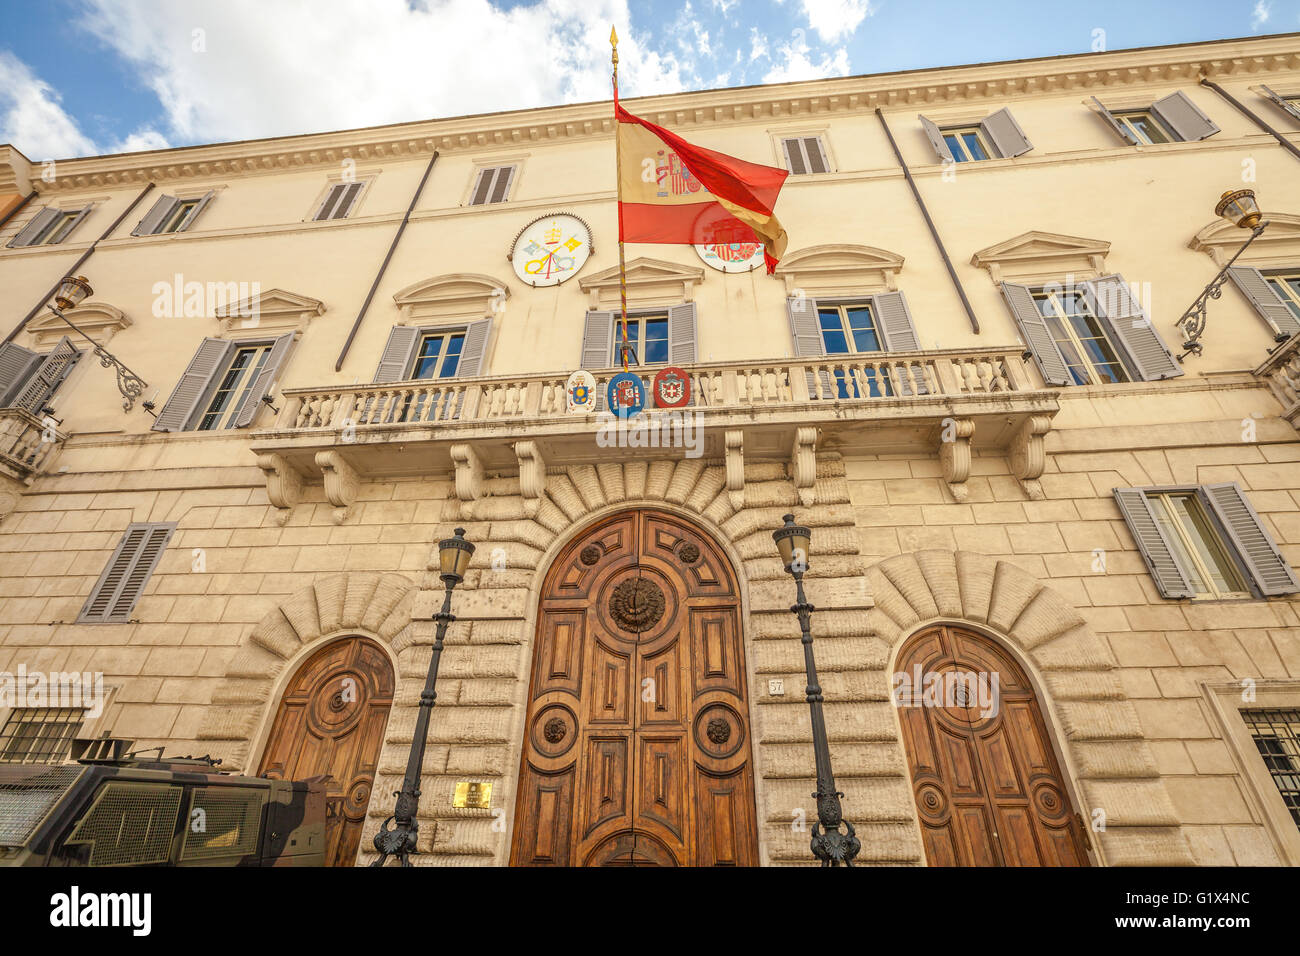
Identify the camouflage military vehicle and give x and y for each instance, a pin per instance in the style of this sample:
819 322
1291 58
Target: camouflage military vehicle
113 810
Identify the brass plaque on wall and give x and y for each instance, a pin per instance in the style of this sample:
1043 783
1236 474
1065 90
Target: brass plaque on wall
472 795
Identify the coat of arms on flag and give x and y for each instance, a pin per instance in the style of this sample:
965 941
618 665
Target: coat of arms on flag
671 388
580 392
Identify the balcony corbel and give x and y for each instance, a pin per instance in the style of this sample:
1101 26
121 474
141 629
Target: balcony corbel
1028 454
469 477
803 464
954 454
735 445
283 484
341 483
532 475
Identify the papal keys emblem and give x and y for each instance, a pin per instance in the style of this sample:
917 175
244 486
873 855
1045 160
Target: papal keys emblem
672 388
580 392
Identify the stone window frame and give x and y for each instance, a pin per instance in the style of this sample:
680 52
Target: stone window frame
1225 702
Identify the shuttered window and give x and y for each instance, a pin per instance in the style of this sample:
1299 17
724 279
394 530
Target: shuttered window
874 323
805 154
49 227
1205 542
122 583
224 384
28 380
169 214
995 136
1274 295
1173 118
414 353
492 185
339 201
654 337
1290 104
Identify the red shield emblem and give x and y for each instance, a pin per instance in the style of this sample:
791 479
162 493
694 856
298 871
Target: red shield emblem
672 388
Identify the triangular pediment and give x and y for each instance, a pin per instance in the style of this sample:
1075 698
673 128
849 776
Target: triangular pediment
1036 254
1277 245
644 270
274 311
651 283
840 268
99 320
273 302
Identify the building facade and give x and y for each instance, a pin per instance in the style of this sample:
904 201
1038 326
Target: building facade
966 378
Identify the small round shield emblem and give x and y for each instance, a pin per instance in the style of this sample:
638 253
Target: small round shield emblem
580 392
626 396
672 388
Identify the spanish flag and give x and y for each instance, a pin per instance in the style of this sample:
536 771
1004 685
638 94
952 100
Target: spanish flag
673 192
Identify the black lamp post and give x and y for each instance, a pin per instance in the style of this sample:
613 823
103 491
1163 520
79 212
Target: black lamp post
453 560
828 844
71 292
1239 207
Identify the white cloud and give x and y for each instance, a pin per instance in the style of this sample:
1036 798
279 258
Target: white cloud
31 117
794 64
275 69
757 44
835 20
1260 15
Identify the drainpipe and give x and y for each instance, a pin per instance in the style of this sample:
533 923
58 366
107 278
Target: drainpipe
77 265
13 212
934 233
384 265
1289 146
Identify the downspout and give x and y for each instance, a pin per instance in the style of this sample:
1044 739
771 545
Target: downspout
17 209
384 265
78 264
934 233
1289 146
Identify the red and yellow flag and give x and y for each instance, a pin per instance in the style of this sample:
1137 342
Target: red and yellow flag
673 192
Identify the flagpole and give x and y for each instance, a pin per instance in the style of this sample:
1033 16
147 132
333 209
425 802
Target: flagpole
618 175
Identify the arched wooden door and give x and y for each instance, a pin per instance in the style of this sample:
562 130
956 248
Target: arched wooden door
637 743
331 722
988 788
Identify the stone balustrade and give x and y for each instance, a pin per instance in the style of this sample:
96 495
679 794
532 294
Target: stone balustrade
1282 373
26 443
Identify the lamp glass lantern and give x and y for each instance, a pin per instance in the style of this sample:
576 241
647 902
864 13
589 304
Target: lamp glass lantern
792 541
72 292
1239 207
453 556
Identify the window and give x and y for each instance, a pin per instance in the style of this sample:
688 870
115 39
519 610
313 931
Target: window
492 185
851 328
1205 542
39 734
805 154
1275 295
224 385
1277 735
28 380
49 227
234 387
998 136
872 324
647 340
1171 119
1286 285
438 355
1089 355
1143 127
1289 102
124 578
339 201
170 214
965 144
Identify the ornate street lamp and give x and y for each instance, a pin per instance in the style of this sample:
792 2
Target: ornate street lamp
72 292
828 844
1239 207
453 560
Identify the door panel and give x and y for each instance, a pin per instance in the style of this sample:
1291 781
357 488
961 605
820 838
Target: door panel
331 722
988 788
638 697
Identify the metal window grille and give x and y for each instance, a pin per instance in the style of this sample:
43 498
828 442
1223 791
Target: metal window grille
39 734
1277 735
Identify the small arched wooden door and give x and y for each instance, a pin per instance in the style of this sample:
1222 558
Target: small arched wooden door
988 788
637 742
331 722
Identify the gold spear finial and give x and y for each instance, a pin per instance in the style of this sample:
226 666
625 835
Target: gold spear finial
613 41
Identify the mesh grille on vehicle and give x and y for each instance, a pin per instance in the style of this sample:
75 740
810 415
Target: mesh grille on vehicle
27 794
130 823
230 823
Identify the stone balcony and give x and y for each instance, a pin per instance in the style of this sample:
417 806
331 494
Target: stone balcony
1282 373
943 402
27 445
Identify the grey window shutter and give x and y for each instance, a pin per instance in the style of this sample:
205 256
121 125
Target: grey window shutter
1184 117
339 201
123 580
1115 124
195 211
207 363
1002 130
16 364
1114 304
350 196
817 161
501 188
895 322
683 336
1265 300
477 336
597 341
327 207
806 334
38 223
395 361
38 388
483 186
1170 579
1254 545
266 378
81 214
936 139
794 159
1284 103
156 216
1038 337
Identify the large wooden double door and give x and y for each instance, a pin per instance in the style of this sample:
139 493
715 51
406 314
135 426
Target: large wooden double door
331 722
637 742
988 788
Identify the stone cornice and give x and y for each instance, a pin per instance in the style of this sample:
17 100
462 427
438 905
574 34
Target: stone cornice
783 102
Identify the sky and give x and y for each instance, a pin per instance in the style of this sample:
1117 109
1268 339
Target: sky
85 77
